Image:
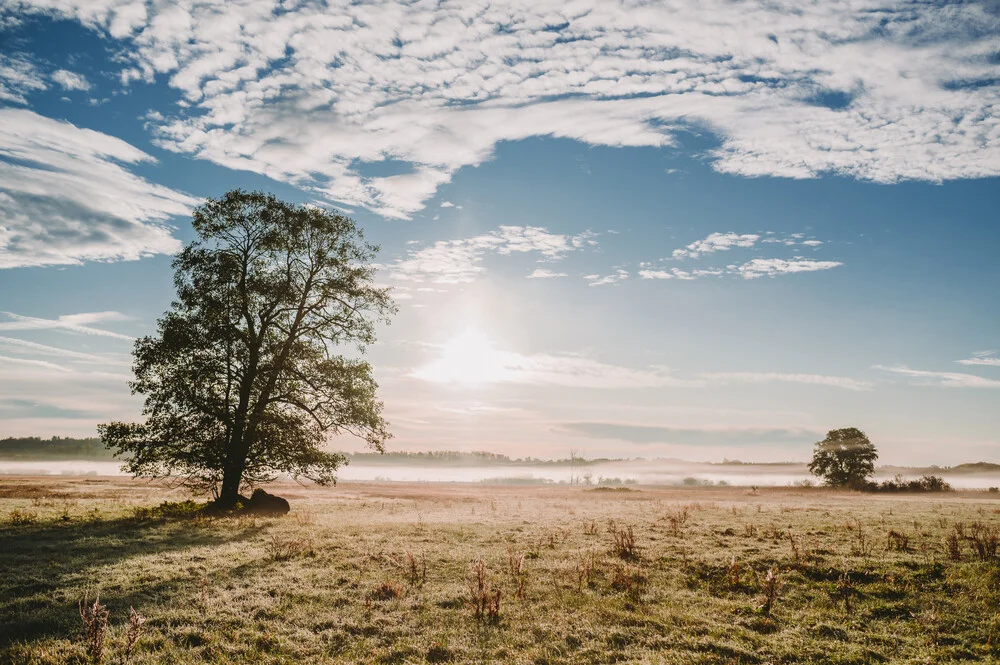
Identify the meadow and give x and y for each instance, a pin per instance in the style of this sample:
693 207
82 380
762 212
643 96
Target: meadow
453 573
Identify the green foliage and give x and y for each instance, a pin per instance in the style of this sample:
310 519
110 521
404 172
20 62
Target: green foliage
922 484
845 458
243 379
170 510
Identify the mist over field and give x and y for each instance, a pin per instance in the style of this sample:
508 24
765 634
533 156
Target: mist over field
610 473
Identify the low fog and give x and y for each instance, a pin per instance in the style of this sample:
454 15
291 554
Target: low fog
624 472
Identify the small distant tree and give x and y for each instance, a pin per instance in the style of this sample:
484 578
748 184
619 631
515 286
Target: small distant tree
245 377
845 458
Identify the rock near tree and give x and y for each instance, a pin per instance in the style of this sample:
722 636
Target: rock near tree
264 503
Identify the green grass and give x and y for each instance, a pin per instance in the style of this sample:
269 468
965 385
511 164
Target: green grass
381 574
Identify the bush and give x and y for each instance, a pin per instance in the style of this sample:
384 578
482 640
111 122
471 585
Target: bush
900 484
170 510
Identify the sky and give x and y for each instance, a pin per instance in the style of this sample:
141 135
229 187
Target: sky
700 230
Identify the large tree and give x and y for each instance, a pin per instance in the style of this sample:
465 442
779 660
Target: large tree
246 378
845 458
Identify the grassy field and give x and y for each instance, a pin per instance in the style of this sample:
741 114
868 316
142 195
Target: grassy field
412 573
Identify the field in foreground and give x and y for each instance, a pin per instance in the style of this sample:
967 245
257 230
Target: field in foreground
370 573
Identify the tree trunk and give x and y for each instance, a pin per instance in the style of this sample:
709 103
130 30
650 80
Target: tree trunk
232 472
230 494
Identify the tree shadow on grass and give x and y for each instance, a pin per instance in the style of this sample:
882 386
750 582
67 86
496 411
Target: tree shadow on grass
45 567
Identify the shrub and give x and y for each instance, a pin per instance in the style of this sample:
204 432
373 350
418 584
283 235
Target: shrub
170 510
925 483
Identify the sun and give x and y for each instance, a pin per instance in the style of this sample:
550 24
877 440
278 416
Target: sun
468 359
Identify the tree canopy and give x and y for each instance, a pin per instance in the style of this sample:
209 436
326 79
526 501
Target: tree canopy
845 458
245 377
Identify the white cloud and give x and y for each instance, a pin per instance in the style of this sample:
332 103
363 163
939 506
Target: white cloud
18 77
543 273
985 358
772 377
70 80
459 261
77 323
942 379
716 242
24 347
34 363
299 91
655 274
772 267
618 275
447 204
65 198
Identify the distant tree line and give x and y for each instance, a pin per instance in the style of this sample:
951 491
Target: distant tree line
473 458
56 448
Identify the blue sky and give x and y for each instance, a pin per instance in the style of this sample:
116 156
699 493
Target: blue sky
697 230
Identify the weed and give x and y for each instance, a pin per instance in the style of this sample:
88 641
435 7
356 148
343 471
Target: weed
515 566
387 590
628 579
845 590
19 517
676 520
733 573
284 549
95 627
484 597
585 571
952 544
131 635
438 652
984 539
897 541
304 518
771 587
416 568
623 542
863 545
590 528
796 554
750 530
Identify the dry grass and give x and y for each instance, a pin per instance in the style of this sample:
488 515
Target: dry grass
380 573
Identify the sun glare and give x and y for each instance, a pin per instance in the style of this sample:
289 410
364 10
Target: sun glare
467 359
